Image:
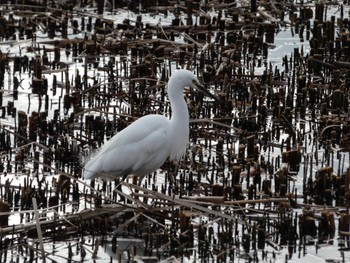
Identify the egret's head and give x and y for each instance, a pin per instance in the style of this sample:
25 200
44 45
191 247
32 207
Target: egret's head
184 78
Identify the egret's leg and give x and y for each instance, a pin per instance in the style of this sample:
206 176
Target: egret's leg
119 188
140 179
124 177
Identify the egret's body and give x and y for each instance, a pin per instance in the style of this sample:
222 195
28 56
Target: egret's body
145 145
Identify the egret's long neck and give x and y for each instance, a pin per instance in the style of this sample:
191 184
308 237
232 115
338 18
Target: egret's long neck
179 120
178 107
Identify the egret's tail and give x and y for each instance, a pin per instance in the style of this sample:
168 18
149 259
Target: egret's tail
88 174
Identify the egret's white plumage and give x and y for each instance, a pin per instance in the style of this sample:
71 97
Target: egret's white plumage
144 146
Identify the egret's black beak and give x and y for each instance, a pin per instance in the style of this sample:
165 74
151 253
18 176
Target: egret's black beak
202 89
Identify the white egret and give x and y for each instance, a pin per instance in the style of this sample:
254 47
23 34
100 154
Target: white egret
147 143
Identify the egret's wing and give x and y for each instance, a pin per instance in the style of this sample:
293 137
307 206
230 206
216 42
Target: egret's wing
151 152
141 147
